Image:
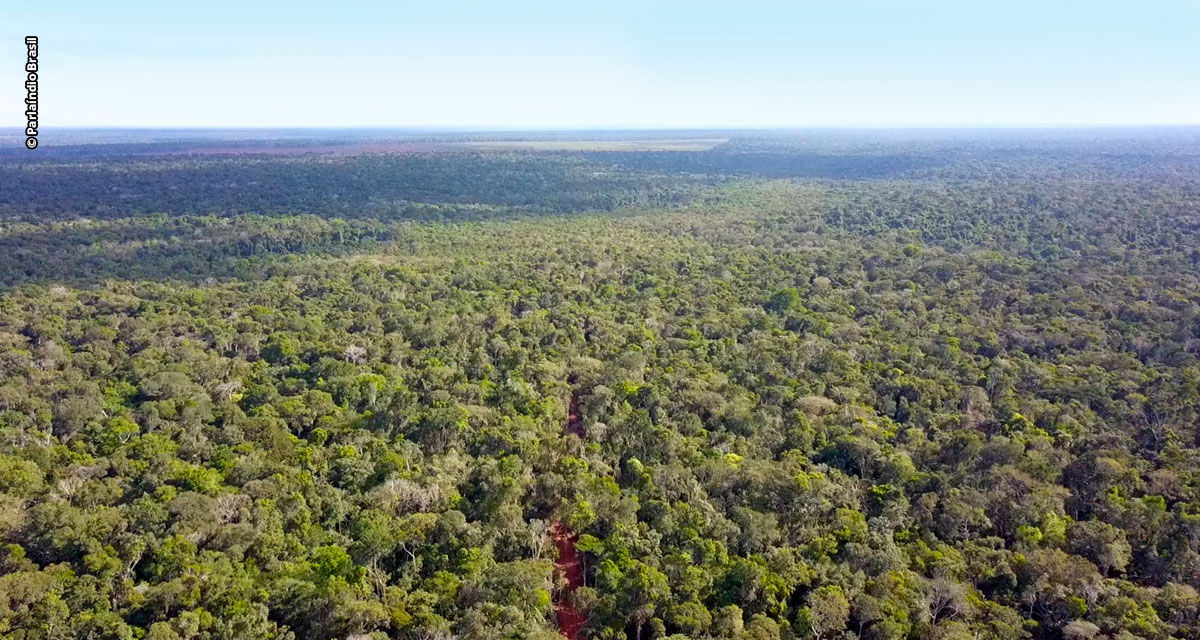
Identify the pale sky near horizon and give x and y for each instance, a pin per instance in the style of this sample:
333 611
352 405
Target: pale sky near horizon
652 63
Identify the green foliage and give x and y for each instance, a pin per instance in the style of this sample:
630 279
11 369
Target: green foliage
947 390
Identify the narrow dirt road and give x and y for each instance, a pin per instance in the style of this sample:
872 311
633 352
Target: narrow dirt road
574 421
570 620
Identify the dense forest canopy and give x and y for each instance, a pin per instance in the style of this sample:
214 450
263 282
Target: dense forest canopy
873 384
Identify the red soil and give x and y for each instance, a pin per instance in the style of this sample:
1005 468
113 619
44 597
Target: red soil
574 422
570 619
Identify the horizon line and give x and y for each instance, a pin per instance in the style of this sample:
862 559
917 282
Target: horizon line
622 127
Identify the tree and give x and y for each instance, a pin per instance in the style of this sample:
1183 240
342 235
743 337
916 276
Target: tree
642 591
1101 543
826 612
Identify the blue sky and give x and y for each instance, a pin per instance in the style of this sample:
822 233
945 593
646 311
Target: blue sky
571 63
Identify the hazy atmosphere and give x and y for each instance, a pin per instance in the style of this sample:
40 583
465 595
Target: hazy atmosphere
624 63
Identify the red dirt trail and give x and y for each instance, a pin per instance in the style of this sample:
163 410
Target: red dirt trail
570 619
574 422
